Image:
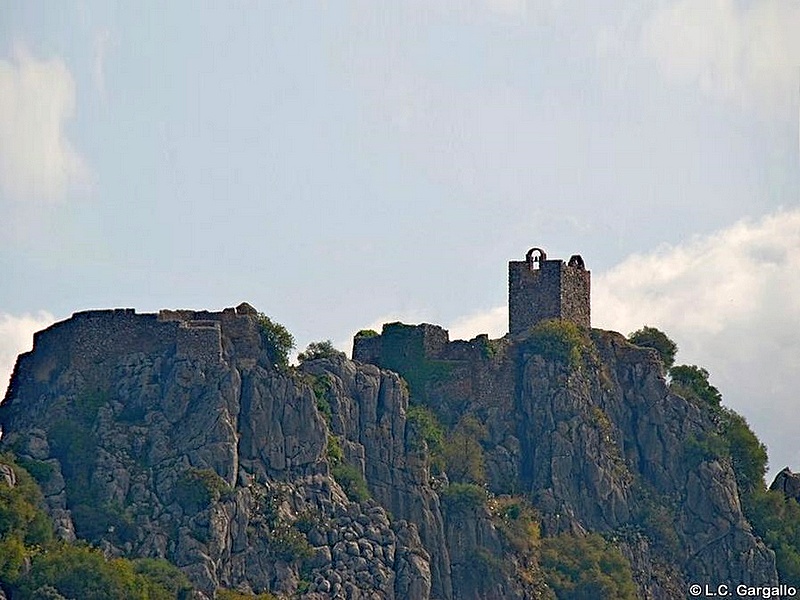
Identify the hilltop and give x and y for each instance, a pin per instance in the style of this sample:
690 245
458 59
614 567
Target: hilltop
422 468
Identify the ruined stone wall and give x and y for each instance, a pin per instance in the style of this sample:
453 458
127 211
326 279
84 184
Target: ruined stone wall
533 295
401 342
367 349
92 340
555 290
576 295
240 336
199 340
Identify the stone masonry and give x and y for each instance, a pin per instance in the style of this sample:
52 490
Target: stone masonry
540 289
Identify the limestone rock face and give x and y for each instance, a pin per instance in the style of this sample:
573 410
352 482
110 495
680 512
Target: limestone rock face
788 483
174 435
218 461
598 442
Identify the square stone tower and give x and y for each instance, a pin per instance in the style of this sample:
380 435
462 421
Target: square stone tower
540 289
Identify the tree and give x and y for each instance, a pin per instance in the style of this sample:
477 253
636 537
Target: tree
277 339
650 337
748 454
463 453
691 381
586 568
323 349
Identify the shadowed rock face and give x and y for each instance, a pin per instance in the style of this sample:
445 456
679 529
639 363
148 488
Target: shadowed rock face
788 483
172 435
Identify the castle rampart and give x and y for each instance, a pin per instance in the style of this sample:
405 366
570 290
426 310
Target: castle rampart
199 340
94 339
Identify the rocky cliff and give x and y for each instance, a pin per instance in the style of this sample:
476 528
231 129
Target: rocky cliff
423 468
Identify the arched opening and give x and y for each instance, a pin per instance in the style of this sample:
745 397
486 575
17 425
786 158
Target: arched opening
535 257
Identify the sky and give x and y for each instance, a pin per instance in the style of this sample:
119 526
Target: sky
343 164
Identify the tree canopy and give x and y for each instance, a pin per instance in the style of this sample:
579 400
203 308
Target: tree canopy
278 340
323 349
650 337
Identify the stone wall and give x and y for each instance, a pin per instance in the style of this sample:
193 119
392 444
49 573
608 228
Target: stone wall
401 342
554 290
199 340
92 341
576 295
93 338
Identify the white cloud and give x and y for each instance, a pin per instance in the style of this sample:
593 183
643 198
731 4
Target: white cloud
493 322
16 337
731 301
37 161
746 54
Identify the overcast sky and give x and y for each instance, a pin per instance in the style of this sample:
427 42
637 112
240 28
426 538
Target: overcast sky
340 164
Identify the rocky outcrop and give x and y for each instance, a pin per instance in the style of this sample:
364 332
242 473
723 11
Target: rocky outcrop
176 435
598 442
787 483
218 461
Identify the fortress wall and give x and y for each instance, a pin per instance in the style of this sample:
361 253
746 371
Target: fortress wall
199 340
576 296
367 349
533 295
93 337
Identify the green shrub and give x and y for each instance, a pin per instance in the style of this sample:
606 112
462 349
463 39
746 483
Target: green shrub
518 522
40 470
586 568
83 572
334 451
650 337
463 453
289 544
197 489
103 520
352 482
707 446
367 333
12 557
277 339
691 382
776 519
463 496
748 454
22 513
322 387
556 340
323 349
165 575
427 427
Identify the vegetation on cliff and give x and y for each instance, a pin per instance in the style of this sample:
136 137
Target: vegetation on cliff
775 518
549 464
277 340
34 565
650 337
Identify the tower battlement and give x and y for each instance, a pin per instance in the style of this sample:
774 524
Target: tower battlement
541 289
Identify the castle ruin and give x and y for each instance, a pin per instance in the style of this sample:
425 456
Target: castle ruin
540 288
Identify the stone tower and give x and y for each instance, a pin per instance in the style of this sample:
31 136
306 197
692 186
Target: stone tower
540 289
